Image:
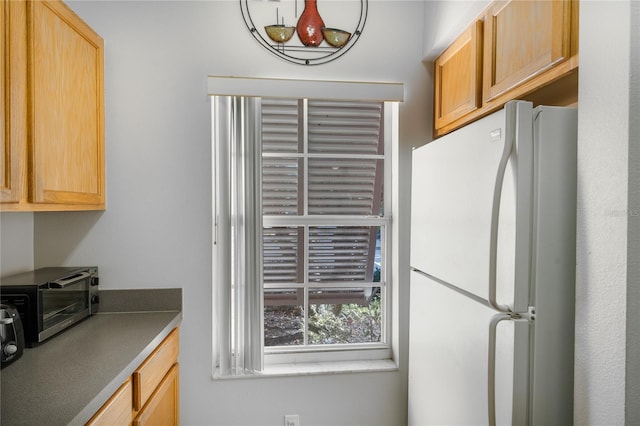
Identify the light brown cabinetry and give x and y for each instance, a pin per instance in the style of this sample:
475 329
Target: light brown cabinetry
529 51
522 40
155 395
13 86
458 77
162 407
53 157
117 410
151 395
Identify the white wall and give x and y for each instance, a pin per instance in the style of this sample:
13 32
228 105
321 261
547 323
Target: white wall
445 20
156 231
16 243
608 215
633 256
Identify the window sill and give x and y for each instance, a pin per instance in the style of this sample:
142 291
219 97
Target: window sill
318 368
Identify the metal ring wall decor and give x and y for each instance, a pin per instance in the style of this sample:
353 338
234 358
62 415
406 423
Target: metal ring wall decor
302 33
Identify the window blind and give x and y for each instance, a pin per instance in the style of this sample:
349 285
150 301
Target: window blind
238 302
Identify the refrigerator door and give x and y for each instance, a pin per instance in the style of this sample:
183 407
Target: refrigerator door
466 214
448 358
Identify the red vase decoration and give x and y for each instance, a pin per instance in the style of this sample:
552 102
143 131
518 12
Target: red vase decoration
310 24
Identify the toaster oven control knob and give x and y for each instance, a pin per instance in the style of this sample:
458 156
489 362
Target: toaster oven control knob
95 280
10 349
95 299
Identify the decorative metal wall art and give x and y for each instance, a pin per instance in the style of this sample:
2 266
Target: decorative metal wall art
306 32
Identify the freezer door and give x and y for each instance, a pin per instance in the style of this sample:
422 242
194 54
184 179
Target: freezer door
448 360
456 187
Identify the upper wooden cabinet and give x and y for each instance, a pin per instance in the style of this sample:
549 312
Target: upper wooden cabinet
458 77
13 86
529 50
523 39
4 88
54 144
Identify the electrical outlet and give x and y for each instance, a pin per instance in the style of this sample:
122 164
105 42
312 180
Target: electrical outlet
291 420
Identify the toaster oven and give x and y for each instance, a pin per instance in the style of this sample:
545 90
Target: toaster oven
52 299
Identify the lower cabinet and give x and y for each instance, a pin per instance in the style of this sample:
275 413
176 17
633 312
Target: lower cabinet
162 406
151 395
117 410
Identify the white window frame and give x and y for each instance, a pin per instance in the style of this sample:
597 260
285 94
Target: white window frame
282 360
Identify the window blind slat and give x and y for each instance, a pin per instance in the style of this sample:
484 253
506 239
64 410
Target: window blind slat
281 260
280 186
344 127
279 125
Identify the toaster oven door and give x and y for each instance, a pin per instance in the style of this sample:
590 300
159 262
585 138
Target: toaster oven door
64 302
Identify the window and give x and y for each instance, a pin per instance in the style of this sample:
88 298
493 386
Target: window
303 215
324 224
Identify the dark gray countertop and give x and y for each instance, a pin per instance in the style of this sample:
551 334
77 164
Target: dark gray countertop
69 377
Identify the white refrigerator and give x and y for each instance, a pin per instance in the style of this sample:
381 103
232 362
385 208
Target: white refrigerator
493 271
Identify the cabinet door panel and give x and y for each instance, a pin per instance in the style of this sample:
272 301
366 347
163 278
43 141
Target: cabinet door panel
458 77
5 160
67 114
162 409
523 39
13 65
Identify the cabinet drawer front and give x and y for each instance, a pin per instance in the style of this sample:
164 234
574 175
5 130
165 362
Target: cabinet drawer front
151 372
163 406
117 410
523 39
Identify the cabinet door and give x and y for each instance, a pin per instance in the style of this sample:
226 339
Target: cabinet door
13 109
162 408
458 77
522 39
151 372
67 138
5 157
117 410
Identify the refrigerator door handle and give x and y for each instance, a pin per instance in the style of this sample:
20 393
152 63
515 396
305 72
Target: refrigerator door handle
491 371
495 216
